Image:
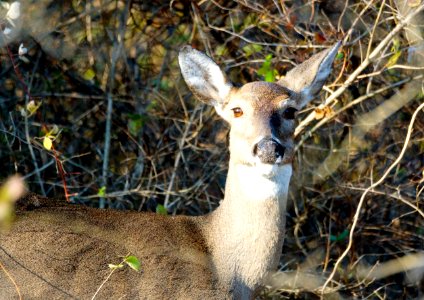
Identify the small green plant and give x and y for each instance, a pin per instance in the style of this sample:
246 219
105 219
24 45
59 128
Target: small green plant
136 123
49 137
128 260
267 71
161 210
341 237
102 191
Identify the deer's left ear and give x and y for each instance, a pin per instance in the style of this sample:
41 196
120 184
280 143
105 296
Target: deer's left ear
308 78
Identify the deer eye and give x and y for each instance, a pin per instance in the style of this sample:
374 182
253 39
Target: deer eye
238 112
289 113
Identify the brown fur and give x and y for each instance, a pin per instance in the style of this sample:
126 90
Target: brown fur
73 246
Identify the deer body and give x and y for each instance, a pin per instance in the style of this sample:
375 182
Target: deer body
62 251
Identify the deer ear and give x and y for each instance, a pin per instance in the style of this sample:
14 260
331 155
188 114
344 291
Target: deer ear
308 78
204 77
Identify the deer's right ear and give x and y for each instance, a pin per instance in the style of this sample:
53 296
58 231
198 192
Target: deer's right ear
204 77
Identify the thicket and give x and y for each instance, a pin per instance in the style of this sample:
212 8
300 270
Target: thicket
92 105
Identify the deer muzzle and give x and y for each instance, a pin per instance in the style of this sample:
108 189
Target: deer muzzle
269 151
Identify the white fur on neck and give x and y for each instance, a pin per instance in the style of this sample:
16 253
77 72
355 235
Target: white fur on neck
264 181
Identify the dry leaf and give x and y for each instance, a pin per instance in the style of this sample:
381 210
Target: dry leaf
325 111
413 3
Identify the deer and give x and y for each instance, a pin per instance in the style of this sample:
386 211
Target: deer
61 251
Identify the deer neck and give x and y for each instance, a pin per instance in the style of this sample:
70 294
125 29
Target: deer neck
247 229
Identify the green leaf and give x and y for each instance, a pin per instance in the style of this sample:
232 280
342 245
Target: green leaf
396 53
89 74
221 50
133 262
251 49
341 237
393 59
165 84
395 46
161 210
250 20
144 61
102 191
270 76
266 70
265 66
151 106
339 55
136 123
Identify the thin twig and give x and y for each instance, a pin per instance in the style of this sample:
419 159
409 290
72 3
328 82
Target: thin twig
103 283
116 53
12 280
371 187
393 195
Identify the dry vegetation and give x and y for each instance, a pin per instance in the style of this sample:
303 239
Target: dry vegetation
101 80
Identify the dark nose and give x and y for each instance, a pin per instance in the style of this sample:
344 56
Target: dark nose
268 150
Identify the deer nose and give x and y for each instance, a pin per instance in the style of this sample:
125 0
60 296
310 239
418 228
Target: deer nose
268 150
